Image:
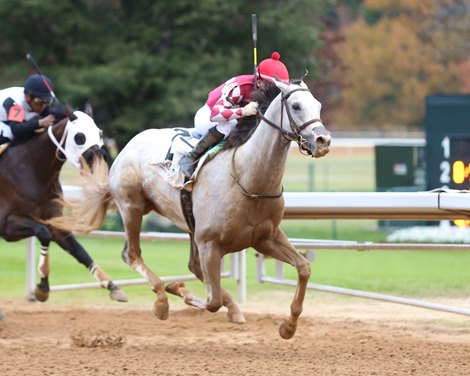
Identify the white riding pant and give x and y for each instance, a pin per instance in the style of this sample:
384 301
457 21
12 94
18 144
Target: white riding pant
202 122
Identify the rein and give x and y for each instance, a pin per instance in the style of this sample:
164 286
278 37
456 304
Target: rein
236 178
295 135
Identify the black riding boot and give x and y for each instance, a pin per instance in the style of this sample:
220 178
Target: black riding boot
189 161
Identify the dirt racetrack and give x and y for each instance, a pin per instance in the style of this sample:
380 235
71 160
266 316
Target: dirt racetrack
335 336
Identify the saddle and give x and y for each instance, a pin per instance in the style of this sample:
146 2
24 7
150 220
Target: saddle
182 142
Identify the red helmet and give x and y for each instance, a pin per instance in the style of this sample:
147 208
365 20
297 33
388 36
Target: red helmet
273 68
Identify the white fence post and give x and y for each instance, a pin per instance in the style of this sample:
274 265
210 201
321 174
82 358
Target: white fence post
30 268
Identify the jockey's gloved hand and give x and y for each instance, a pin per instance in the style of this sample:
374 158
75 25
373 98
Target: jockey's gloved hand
47 121
250 109
58 110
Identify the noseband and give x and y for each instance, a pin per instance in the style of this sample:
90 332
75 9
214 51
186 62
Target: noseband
295 135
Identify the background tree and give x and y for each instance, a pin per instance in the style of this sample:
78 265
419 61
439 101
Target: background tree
150 64
396 54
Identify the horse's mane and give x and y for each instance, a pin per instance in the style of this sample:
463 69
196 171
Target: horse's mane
241 133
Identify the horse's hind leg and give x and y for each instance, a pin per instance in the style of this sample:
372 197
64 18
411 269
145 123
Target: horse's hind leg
178 288
132 255
234 313
281 249
69 243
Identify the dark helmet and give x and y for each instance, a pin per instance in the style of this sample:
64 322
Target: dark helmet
36 86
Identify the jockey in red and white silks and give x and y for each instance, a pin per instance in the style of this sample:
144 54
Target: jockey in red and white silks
226 104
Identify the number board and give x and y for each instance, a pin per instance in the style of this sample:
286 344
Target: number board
447 124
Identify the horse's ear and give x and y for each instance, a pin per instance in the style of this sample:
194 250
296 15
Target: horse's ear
88 109
69 111
281 85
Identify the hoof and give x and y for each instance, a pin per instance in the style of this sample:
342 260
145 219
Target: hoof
41 292
118 296
115 293
160 309
287 329
41 295
174 288
194 301
213 307
236 318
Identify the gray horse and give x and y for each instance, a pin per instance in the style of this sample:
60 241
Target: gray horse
237 199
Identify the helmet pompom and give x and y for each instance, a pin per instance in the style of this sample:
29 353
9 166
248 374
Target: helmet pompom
273 69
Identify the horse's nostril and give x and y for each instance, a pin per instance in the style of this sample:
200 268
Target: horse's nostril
322 141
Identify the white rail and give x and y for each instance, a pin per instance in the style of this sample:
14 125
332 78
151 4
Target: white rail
439 205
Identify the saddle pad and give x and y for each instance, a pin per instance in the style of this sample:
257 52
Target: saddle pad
182 141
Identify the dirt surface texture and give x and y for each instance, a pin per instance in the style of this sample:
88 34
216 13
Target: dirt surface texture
348 336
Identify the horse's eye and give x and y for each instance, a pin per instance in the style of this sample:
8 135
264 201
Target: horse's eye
296 107
80 138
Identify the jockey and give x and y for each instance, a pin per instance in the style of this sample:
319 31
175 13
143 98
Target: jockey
226 104
24 111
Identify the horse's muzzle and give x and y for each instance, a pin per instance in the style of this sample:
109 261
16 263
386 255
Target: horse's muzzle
321 142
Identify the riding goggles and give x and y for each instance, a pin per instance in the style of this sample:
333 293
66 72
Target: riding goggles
43 101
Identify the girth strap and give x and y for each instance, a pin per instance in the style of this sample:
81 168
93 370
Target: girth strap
187 207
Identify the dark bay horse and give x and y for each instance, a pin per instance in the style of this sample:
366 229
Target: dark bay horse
237 198
30 191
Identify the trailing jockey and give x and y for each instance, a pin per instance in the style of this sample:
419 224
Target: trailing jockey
25 110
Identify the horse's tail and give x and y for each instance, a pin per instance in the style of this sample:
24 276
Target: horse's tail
88 212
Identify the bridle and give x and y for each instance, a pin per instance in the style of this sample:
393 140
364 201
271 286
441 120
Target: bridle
295 135
289 136
60 153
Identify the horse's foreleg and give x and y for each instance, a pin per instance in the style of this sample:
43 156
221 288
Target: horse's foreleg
210 259
41 292
20 228
69 243
281 249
